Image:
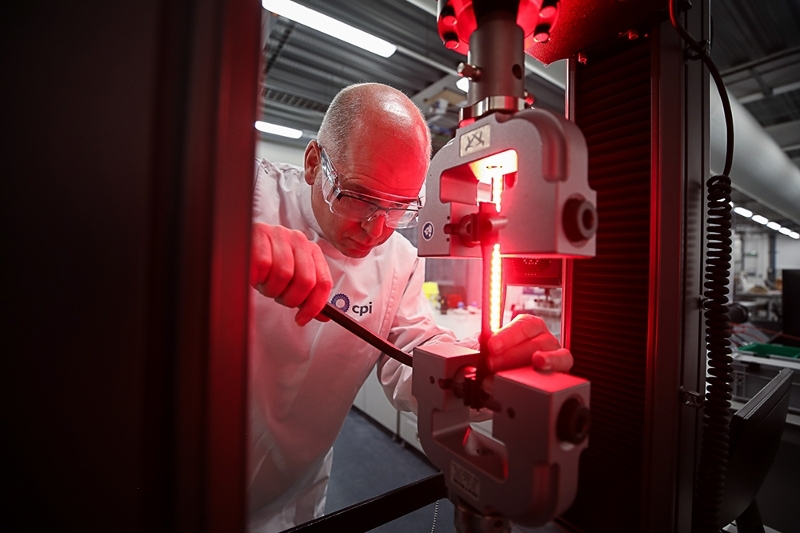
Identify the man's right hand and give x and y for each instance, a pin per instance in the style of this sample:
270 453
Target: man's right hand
286 266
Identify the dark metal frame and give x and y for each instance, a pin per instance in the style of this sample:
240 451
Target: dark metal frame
661 439
380 510
129 260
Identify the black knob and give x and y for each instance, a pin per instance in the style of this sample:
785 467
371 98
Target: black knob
573 422
580 219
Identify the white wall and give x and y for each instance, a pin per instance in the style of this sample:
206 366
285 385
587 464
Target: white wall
279 153
756 254
787 253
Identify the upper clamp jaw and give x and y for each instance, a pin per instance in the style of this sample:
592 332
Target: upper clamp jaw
546 199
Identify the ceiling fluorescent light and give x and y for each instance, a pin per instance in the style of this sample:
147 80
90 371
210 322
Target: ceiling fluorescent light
283 131
742 211
329 26
774 225
760 219
785 231
794 235
463 84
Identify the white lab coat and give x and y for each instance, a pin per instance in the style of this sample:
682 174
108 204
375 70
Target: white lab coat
303 380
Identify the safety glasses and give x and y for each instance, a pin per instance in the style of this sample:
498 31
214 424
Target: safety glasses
362 207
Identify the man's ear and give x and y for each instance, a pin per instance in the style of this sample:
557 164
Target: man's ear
311 161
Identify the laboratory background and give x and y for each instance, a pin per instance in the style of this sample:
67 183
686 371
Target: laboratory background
127 177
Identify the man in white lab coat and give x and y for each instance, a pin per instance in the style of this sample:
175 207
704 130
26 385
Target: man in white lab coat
323 233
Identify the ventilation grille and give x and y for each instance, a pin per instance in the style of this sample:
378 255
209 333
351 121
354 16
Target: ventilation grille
273 95
610 292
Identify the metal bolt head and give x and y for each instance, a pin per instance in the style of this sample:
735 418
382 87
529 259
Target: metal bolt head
448 16
542 33
468 71
451 40
529 98
548 11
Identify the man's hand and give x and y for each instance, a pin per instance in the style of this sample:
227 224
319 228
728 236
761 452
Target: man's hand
286 266
525 341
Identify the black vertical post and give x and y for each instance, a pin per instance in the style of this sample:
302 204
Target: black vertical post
772 258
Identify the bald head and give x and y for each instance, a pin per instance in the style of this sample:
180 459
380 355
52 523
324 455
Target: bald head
366 110
379 145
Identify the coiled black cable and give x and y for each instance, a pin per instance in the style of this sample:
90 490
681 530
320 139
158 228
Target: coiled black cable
712 468
713 465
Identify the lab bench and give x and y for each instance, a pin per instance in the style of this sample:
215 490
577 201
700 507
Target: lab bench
751 373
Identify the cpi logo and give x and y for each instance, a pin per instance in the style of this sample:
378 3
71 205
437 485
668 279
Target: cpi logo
427 231
342 303
362 309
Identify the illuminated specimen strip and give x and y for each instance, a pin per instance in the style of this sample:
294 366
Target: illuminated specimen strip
496 274
497 191
495 289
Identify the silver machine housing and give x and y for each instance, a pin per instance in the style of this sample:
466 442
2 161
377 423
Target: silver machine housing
525 469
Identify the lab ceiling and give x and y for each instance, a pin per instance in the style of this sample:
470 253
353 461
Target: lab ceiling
755 45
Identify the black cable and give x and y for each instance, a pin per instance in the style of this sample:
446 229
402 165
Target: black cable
716 410
723 93
713 465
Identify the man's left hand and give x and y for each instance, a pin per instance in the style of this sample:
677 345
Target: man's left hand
526 341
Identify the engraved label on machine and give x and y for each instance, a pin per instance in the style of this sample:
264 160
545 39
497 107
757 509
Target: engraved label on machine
475 140
465 480
427 231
